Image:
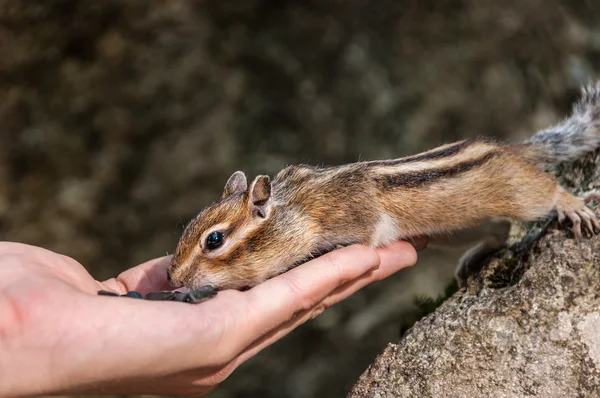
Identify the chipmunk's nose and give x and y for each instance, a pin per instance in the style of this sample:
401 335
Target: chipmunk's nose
174 280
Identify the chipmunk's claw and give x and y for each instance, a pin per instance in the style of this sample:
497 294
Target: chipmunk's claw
590 220
583 218
592 196
592 216
561 216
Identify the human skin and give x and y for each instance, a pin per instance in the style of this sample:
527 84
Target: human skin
57 336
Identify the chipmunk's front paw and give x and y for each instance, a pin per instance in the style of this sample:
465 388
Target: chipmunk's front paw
578 213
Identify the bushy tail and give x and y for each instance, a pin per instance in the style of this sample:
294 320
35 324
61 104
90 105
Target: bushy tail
574 137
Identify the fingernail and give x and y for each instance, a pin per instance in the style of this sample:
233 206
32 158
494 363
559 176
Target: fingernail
419 243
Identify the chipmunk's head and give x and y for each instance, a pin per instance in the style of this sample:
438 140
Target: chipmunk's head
233 243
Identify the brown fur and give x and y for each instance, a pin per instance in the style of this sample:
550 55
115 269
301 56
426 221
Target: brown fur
305 211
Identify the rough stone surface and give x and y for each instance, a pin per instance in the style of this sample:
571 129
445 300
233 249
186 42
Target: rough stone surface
527 326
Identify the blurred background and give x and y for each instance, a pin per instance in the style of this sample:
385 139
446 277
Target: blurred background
120 120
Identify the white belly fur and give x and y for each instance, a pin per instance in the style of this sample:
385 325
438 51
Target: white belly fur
386 231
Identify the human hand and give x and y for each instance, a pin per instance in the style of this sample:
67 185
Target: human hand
58 336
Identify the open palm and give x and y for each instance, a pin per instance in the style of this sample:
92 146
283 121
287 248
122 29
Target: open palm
58 336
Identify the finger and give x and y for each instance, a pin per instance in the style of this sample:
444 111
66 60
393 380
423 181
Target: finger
393 258
268 339
279 299
147 277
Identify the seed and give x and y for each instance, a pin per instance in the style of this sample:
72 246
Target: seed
106 293
202 293
133 294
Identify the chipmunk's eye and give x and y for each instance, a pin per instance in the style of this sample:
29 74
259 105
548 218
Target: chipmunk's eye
214 240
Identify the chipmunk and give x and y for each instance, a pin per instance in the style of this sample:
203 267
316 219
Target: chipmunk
257 231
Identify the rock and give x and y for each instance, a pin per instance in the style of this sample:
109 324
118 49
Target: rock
527 325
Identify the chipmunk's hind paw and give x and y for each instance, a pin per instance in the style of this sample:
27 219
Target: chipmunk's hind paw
579 214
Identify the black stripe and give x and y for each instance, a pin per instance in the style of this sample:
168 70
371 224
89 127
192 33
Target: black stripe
421 178
432 155
233 255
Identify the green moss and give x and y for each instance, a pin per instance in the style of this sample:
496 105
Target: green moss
505 274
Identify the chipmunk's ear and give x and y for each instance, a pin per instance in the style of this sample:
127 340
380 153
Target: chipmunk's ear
237 183
260 196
